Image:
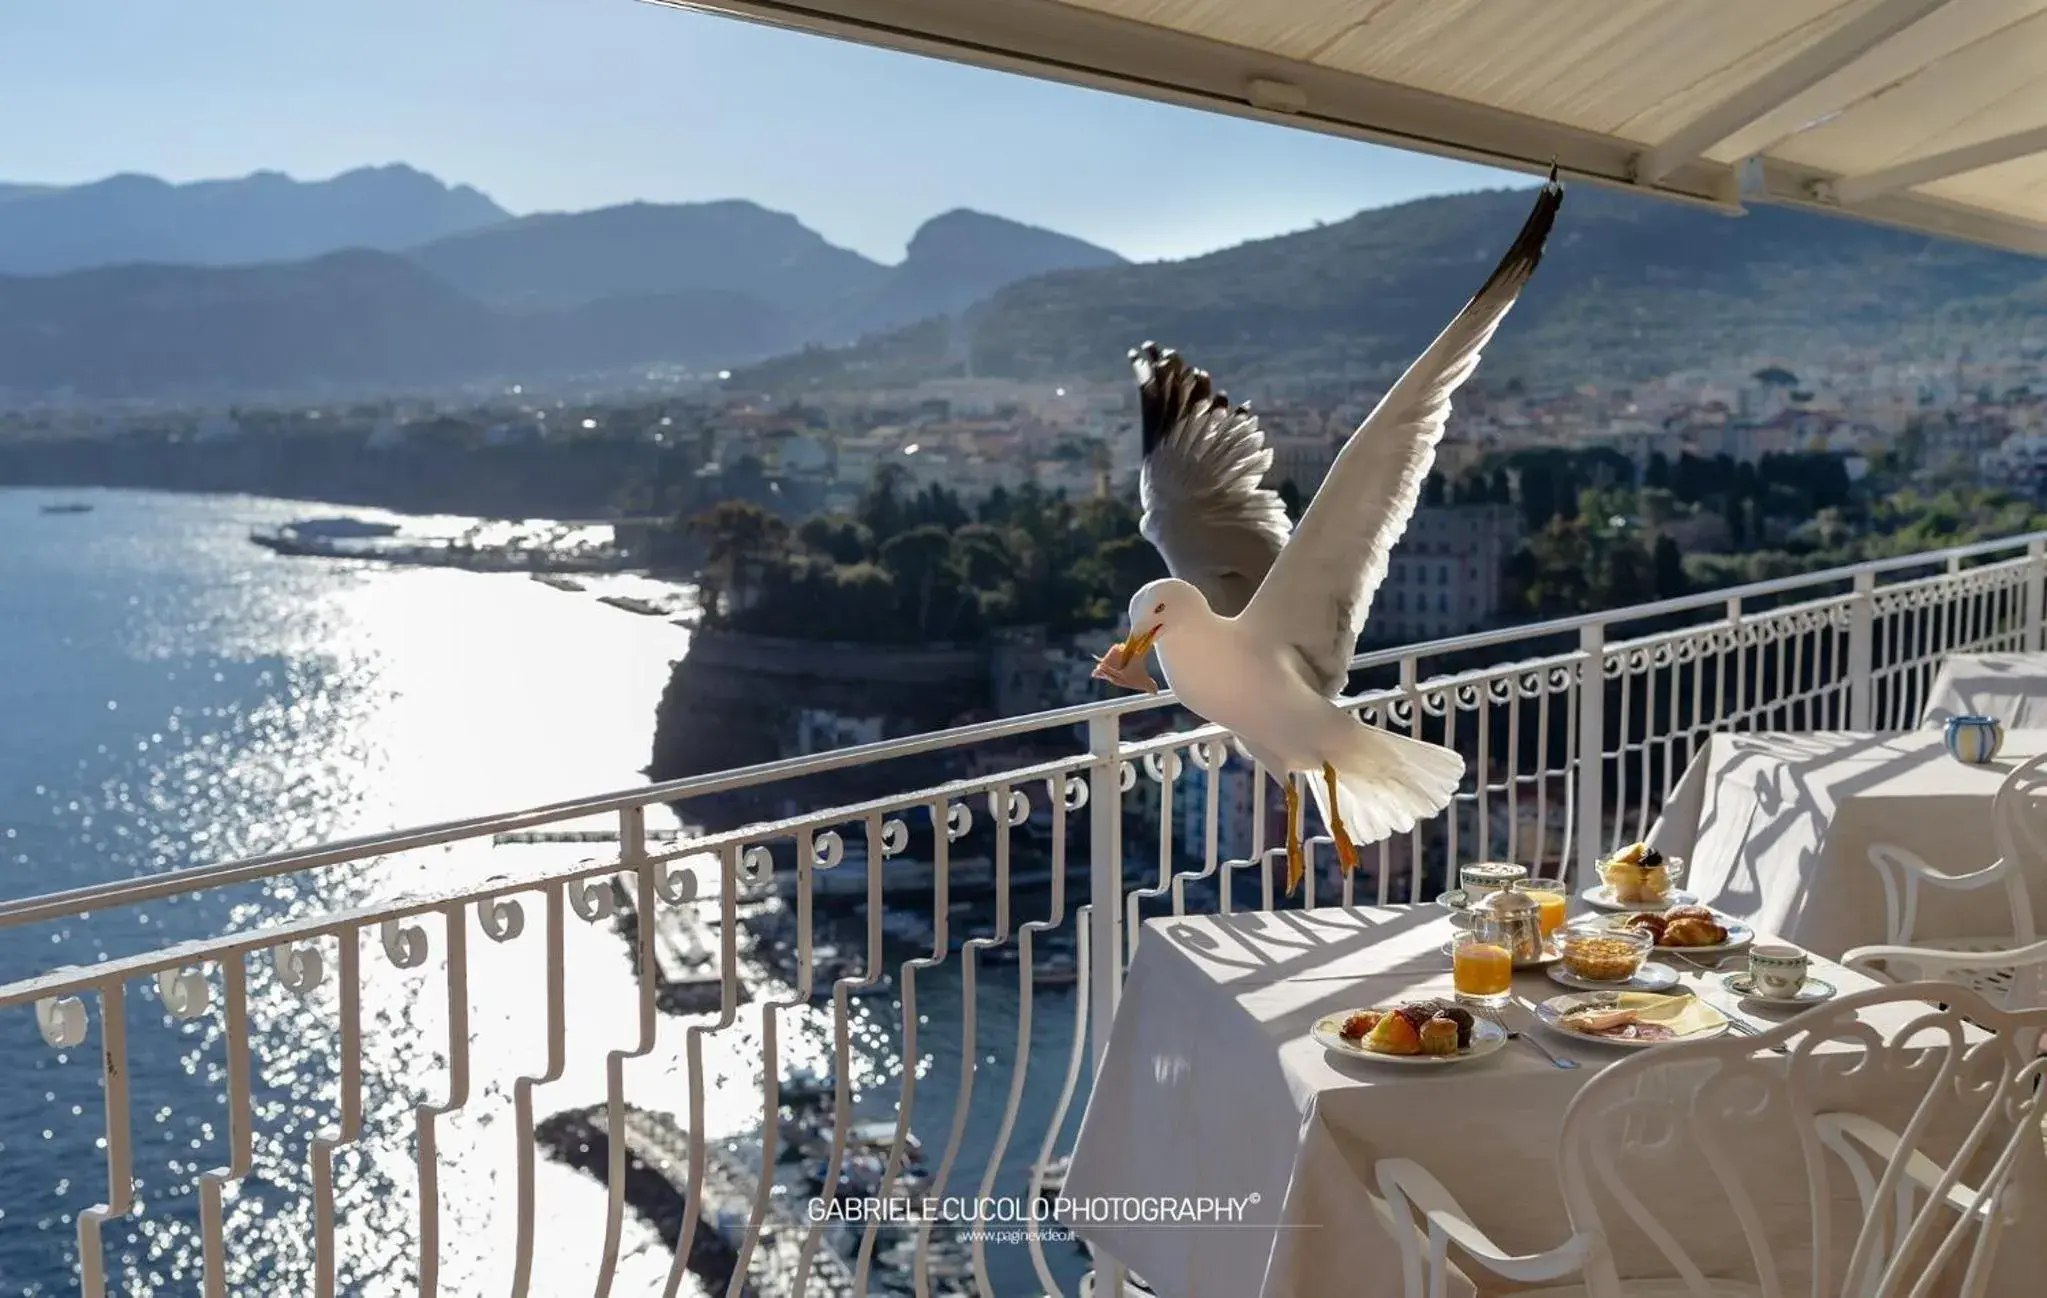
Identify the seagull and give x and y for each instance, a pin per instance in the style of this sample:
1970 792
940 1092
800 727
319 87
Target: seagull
1255 628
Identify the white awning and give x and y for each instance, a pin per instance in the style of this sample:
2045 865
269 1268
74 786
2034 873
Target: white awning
1925 114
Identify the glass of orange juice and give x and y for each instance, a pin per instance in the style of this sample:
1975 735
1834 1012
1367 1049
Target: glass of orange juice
1552 903
1481 968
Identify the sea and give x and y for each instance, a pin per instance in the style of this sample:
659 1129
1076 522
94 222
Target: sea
174 695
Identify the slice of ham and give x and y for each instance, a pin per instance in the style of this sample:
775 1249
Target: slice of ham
1600 1020
1625 1025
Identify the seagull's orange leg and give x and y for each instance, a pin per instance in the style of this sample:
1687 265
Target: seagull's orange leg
1296 859
1346 851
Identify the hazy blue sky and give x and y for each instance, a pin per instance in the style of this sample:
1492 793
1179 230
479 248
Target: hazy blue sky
562 104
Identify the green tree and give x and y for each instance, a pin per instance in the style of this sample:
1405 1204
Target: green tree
1538 496
1669 568
884 510
919 561
1627 575
982 558
739 537
838 537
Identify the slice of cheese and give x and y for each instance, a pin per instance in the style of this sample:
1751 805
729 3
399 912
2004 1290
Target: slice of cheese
1684 1015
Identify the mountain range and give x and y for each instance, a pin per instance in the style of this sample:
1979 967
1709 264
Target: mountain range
388 280
1629 288
48 229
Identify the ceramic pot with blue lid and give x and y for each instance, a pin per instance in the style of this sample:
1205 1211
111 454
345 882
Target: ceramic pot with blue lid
1975 740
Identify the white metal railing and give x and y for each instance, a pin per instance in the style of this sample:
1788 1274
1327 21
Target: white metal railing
1558 772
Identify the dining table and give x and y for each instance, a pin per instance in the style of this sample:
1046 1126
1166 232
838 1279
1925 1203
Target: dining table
2009 686
1775 829
1227 1154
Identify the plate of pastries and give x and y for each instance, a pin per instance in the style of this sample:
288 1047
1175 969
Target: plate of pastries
1413 1032
1693 930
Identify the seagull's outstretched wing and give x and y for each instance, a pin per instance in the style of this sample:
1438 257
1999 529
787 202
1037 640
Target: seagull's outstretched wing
1321 586
1204 510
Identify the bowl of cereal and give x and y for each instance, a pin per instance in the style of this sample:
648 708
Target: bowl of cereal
1599 954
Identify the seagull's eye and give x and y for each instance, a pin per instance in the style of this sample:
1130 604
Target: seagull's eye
1160 609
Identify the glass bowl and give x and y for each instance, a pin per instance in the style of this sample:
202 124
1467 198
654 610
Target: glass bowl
1597 953
1648 882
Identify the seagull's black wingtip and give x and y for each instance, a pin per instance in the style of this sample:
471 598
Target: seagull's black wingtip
1526 252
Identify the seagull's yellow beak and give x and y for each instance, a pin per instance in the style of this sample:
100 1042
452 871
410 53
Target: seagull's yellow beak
1124 663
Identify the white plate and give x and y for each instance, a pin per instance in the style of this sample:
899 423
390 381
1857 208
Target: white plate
1486 1037
1814 991
1601 897
1739 937
1651 977
1551 1012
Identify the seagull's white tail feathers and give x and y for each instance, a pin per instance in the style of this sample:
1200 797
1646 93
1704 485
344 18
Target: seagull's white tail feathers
1387 784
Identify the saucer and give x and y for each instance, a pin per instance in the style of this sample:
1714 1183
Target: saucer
1649 978
1814 991
1600 897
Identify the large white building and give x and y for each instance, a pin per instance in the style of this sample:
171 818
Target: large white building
1445 576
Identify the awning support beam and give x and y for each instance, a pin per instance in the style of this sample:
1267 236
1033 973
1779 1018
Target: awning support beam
1850 190
1780 85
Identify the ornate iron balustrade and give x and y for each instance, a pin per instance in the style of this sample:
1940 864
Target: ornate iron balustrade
1575 730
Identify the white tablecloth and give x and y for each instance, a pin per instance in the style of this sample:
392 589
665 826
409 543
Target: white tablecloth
1212 1088
1776 829
2010 687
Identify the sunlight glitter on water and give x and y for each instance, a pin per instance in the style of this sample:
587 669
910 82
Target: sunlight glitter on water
248 703
179 697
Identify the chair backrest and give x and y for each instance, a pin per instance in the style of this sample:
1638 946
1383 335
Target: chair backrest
2018 825
1725 1159
2018 819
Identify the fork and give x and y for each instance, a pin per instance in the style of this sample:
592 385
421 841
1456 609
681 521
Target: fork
1555 1059
1748 1030
1498 1020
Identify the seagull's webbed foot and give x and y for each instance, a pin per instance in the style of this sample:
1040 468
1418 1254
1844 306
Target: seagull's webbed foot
1296 859
1346 851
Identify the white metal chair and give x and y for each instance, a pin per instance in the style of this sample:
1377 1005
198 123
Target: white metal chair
2018 822
1933 1108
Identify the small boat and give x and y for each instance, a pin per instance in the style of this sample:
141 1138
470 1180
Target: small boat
68 507
880 1136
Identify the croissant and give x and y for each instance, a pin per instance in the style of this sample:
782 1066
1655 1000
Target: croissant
1652 924
1689 912
1692 931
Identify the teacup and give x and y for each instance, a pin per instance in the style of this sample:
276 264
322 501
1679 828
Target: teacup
1777 972
1974 740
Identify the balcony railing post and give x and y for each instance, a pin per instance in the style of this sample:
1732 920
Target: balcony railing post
1105 870
1862 653
2036 590
1591 744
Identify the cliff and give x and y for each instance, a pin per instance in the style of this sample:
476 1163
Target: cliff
739 700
